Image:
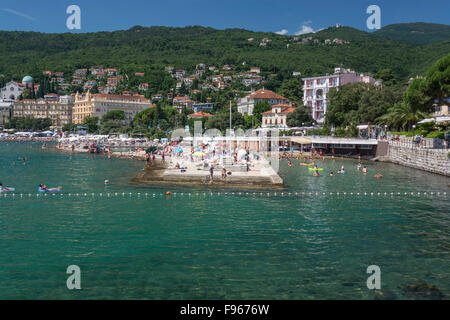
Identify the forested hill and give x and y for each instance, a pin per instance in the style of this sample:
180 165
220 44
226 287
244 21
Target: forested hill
416 33
150 48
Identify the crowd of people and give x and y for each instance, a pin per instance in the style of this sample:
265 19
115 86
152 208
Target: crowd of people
310 161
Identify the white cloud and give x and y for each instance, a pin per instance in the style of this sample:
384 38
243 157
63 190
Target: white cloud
282 32
20 14
305 28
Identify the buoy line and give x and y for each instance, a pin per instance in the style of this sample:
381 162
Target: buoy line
170 194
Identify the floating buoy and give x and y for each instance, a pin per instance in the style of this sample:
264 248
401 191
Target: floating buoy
168 193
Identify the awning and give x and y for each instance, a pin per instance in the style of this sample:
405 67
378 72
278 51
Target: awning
443 119
426 120
301 140
363 126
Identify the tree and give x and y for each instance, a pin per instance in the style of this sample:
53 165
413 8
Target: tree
416 95
300 116
292 89
259 109
438 80
402 116
91 123
387 76
110 126
356 103
221 121
69 127
113 115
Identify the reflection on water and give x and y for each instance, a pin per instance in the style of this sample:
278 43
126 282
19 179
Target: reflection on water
217 247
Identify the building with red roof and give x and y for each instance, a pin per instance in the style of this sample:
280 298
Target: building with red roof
199 115
246 104
277 117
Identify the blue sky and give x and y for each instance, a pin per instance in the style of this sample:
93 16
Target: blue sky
258 15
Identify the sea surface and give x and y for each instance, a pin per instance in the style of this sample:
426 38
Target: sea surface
303 242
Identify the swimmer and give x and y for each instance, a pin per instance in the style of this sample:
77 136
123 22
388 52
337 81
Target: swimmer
316 171
43 188
331 174
2 188
364 170
378 176
358 166
106 181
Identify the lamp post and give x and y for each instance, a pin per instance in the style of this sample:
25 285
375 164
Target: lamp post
414 133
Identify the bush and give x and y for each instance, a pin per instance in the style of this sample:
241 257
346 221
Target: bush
436 134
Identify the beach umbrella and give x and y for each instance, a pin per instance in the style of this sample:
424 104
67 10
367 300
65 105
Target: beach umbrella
241 154
198 154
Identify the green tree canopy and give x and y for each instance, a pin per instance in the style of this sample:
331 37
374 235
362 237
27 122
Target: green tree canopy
91 123
113 115
438 80
300 116
258 110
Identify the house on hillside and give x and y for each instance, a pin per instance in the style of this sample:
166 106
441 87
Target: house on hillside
246 104
277 117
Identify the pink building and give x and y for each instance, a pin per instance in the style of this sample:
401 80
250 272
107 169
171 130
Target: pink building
315 89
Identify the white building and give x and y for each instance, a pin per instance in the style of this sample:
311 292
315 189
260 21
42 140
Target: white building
246 104
11 91
277 117
315 89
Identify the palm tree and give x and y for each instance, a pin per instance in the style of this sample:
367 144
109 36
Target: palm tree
402 115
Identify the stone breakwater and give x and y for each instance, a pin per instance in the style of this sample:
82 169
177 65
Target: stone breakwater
431 160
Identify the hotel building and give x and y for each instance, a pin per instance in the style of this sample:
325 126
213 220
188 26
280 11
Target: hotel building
315 89
59 110
97 105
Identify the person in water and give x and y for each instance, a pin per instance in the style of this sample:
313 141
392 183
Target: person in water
2 188
316 171
331 174
378 176
43 188
364 170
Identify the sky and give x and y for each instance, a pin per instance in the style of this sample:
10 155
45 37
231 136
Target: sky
282 16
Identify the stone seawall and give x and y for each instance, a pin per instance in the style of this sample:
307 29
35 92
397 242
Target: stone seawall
431 160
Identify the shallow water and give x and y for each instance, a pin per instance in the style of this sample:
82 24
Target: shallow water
220 246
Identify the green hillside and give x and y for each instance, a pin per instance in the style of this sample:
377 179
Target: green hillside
148 49
419 33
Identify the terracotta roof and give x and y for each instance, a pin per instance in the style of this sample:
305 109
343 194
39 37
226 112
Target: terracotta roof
181 98
284 109
118 96
266 94
200 114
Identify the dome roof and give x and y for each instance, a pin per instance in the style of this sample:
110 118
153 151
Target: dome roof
27 79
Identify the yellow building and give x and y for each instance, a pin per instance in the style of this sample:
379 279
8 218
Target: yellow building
58 110
97 105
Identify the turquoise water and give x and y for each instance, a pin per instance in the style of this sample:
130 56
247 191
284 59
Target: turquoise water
219 246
